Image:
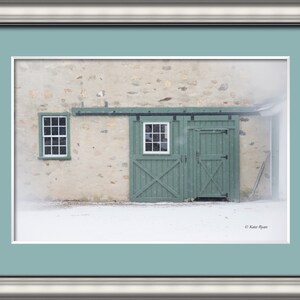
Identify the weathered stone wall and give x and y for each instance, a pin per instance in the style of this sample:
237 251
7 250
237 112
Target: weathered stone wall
99 168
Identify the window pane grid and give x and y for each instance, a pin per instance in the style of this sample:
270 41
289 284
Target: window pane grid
54 136
156 138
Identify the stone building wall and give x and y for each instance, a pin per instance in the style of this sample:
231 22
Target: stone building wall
99 165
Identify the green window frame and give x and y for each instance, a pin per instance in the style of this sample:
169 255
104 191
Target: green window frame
54 136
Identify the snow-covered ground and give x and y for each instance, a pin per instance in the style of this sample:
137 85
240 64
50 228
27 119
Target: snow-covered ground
199 222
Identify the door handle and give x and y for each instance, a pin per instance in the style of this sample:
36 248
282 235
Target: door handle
197 156
183 158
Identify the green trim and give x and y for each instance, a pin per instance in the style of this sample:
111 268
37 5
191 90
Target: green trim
40 137
132 140
129 111
54 158
235 188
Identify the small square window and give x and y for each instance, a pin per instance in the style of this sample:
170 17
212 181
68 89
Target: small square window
46 121
155 128
148 146
62 130
62 121
47 141
47 150
164 147
54 121
62 141
156 147
148 137
55 141
54 130
164 138
55 150
47 130
156 139
148 128
62 150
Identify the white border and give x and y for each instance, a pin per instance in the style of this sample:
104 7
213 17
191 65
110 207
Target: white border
13 58
288 184
12 138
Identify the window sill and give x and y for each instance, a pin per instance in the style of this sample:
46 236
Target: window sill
54 158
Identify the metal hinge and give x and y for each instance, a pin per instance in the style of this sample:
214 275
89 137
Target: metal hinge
225 156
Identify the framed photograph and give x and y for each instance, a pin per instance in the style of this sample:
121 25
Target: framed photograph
143 157
195 148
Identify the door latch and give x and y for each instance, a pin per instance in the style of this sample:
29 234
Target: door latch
197 156
224 156
183 158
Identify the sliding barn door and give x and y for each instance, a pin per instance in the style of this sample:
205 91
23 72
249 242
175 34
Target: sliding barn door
156 164
177 158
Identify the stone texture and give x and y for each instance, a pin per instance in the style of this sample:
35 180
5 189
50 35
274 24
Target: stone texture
91 174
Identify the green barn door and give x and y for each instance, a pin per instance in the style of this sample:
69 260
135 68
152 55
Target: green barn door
207 168
184 157
156 164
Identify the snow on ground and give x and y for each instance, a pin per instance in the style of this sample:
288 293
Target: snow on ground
198 222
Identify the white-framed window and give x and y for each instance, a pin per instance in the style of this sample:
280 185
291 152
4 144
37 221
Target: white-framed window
156 138
54 136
